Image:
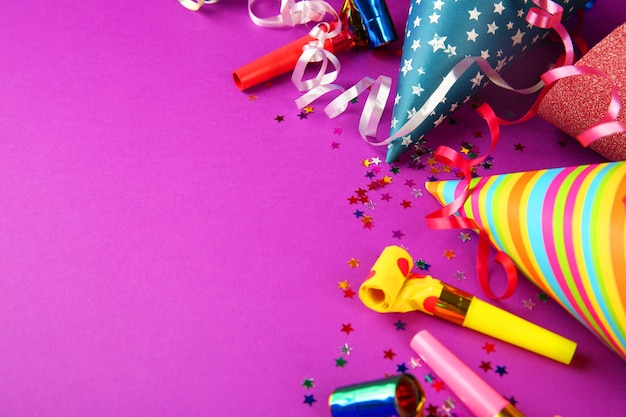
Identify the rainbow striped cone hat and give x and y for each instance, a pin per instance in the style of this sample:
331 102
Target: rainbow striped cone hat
565 229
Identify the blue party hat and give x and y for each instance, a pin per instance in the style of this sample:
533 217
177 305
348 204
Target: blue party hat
439 35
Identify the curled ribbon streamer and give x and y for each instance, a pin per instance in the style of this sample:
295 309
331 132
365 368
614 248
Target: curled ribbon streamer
445 218
293 13
314 52
196 5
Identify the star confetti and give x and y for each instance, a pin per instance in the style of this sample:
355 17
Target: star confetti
348 293
415 362
344 285
459 275
347 328
334 145
279 118
542 296
309 399
345 349
485 366
400 325
529 304
519 147
340 362
401 368
489 347
438 385
353 263
422 264
308 383
338 131
308 109
449 253
501 370
464 236
389 354
397 234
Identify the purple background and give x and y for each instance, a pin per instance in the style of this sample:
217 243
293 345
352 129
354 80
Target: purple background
168 248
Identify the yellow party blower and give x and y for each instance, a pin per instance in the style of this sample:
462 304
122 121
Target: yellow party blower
391 288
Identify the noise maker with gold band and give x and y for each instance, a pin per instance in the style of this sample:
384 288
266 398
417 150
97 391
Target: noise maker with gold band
400 396
391 288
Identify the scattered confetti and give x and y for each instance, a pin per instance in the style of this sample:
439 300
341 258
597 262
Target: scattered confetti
542 296
529 304
345 349
308 109
348 293
398 234
415 362
308 383
489 347
464 236
389 354
334 145
309 399
501 370
252 97
416 192
485 366
338 131
353 263
438 385
406 204
344 284
459 275
422 264
279 118
400 325
347 328
340 362
401 368
519 147
449 253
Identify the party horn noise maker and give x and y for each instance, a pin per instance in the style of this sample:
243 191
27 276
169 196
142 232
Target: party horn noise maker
369 21
400 396
284 59
391 288
476 394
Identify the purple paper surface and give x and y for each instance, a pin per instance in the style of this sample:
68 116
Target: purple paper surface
172 246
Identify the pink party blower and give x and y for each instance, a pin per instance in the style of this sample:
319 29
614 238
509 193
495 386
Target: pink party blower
476 394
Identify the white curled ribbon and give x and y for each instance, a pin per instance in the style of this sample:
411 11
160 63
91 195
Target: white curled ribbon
548 16
196 5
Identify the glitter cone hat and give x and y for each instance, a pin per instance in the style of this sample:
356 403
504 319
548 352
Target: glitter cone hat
439 34
565 229
577 103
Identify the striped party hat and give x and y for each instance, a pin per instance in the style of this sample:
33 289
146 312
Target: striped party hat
565 229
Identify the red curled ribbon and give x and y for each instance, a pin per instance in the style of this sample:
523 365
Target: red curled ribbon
445 218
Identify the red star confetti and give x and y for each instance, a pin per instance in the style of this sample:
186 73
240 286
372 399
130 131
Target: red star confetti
438 385
348 293
389 354
449 253
252 97
489 347
334 145
279 118
354 263
347 328
406 204
519 147
485 366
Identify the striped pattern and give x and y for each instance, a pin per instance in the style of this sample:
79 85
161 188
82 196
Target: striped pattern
565 229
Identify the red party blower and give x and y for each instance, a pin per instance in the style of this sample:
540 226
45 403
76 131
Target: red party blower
283 60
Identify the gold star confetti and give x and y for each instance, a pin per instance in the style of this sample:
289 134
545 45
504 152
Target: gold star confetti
308 109
354 263
344 285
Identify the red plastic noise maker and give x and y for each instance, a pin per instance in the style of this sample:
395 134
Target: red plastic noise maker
363 23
